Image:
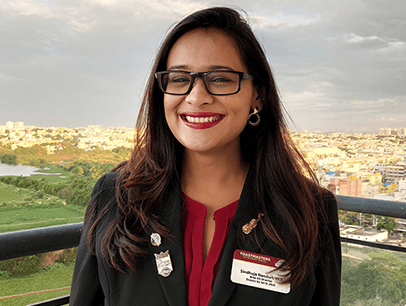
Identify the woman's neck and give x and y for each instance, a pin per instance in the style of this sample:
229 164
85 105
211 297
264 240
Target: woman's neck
214 179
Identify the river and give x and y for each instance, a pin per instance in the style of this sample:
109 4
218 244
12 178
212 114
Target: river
20 170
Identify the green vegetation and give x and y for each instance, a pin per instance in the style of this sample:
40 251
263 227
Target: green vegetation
58 275
9 159
65 152
372 277
383 222
8 194
45 200
20 218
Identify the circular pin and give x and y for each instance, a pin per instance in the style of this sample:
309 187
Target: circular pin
155 239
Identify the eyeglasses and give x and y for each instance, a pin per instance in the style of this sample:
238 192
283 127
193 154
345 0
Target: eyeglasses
218 83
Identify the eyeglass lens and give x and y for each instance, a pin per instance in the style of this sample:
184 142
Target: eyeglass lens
218 82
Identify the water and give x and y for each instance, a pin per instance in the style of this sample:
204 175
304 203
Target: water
20 170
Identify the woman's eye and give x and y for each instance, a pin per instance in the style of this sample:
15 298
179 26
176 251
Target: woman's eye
179 78
219 79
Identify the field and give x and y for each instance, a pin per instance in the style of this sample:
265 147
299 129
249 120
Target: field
57 276
64 175
21 209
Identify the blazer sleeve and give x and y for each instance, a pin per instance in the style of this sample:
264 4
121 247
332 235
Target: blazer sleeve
328 269
86 288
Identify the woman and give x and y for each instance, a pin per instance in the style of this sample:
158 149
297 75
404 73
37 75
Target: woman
215 206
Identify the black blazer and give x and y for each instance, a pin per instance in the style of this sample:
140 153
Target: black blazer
96 283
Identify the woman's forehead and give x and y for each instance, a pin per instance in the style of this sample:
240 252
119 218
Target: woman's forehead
205 48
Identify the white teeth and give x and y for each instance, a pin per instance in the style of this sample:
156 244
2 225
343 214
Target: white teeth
202 119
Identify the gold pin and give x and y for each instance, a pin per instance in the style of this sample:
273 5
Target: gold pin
155 239
163 263
248 227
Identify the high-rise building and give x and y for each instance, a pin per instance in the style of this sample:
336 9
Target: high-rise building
18 125
401 132
9 125
385 131
395 173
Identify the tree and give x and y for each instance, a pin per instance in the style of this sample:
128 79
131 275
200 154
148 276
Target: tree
382 278
78 171
387 223
9 159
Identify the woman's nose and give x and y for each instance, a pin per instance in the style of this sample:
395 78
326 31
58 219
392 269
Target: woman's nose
199 94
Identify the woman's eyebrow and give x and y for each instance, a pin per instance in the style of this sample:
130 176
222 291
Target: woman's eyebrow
218 67
213 67
178 67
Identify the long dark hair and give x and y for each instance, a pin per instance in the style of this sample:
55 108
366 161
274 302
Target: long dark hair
282 176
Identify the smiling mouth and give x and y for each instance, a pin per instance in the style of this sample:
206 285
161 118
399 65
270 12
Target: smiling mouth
202 119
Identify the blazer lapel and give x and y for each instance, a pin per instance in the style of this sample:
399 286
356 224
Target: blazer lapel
174 285
246 210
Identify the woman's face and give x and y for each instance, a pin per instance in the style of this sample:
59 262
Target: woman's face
200 121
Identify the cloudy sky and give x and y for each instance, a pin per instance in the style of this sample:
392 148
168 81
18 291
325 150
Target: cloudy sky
340 65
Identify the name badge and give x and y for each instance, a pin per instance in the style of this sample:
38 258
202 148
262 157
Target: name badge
257 270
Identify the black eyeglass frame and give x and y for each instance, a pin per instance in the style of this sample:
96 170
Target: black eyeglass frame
241 76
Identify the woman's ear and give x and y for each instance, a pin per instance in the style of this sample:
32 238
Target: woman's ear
258 103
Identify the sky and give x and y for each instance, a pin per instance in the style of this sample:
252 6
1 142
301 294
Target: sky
340 66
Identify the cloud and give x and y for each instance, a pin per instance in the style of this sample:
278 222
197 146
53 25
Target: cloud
81 26
152 9
339 64
283 20
355 39
29 8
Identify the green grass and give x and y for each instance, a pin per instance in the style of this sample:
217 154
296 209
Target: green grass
55 278
20 217
64 175
7 195
20 209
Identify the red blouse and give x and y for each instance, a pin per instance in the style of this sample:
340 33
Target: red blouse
200 275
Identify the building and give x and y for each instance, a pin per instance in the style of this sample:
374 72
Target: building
385 131
359 233
9 125
346 186
18 125
401 132
395 173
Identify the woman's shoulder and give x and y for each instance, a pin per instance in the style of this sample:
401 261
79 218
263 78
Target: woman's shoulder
104 193
326 204
107 180
323 197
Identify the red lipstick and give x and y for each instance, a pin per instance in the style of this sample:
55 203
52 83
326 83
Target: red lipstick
201 120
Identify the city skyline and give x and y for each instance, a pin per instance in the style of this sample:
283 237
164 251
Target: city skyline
19 125
339 66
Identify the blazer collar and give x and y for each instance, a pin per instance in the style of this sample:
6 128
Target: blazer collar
246 210
173 286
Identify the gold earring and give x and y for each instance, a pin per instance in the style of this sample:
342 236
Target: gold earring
254 119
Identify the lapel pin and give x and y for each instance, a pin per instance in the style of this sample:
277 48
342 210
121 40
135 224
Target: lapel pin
248 227
163 263
155 239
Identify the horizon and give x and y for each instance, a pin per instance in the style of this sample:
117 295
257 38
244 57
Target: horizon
133 127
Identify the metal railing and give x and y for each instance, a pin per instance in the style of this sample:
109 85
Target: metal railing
40 240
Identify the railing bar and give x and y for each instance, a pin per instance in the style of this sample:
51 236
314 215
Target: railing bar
372 206
374 244
62 300
39 240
